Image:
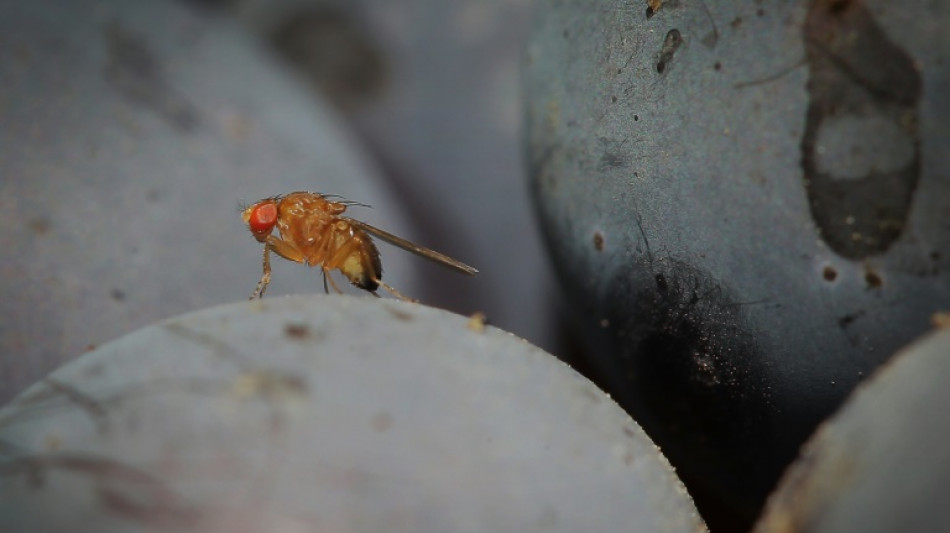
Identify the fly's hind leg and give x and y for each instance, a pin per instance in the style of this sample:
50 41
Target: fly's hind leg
365 271
327 276
393 291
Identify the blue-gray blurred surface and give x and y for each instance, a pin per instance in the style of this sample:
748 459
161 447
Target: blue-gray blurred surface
129 134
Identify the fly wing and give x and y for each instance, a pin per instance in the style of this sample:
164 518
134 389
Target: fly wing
422 251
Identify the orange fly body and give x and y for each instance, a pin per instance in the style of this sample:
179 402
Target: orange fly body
314 232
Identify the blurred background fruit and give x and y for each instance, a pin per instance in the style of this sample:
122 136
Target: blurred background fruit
432 89
133 130
131 133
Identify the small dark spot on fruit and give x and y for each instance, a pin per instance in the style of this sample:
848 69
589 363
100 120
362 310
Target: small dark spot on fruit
661 283
873 279
660 66
297 331
619 70
760 12
829 273
839 6
636 118
650 12
566 33
846 320
717 66
736 22
613 99
117 295
382 421
598 241
39 225
399 314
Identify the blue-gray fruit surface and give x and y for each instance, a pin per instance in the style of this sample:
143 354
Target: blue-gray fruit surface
747 204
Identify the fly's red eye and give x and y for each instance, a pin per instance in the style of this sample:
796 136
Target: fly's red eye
262 219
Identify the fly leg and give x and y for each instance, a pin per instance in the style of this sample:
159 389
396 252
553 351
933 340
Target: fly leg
327 276
359 276
393 291
281 248
265 277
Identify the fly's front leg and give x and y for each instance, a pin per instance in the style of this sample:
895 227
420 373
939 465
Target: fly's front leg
281 248
265 277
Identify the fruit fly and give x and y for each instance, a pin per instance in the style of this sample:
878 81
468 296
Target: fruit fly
314 232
